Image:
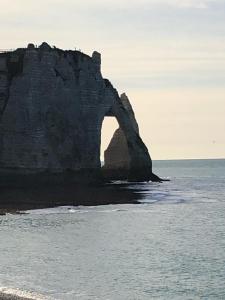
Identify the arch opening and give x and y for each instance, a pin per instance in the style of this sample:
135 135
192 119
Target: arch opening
126 157
109 126
115 154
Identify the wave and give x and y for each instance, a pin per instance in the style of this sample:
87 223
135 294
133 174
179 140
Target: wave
53 210
74 209
7 293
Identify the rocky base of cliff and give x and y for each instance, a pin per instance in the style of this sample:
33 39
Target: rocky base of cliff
114 174
15 178
124 174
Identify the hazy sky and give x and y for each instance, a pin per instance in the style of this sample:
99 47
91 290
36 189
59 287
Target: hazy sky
167 55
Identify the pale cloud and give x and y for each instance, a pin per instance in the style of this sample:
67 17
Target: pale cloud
132 3
184 3
191 4
27 5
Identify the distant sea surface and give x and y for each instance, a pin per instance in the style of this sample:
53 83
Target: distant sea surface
170 246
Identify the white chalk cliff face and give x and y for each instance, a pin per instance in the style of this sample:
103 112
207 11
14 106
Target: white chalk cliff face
52 105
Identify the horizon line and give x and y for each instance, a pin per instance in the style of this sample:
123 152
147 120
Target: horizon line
222 158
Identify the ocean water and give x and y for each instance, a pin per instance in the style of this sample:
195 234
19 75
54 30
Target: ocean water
170 246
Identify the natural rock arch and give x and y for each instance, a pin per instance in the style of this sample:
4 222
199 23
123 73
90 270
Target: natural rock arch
127 156
52 105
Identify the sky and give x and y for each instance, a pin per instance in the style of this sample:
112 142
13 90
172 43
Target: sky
167 55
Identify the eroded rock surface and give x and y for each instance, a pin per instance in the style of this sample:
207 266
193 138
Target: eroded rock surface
52 105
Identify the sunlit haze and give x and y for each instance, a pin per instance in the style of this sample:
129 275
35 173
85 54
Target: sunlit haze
167 55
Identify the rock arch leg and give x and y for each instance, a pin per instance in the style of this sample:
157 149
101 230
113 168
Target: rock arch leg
127 156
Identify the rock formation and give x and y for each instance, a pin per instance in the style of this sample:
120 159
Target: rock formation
52 105
116 156
126 156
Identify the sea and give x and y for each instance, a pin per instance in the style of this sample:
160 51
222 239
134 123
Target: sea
170 246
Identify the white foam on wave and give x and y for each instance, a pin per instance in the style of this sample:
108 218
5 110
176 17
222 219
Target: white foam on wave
14 293
154 198
53 210
76 209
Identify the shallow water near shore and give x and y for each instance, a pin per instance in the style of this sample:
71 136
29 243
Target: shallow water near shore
170 246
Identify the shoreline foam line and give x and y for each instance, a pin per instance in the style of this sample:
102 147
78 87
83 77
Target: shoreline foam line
16 294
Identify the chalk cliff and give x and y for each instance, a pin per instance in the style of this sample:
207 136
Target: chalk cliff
52 105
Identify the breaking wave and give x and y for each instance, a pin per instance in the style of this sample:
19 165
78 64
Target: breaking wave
16 294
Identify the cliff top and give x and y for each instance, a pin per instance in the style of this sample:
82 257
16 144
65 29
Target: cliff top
45 47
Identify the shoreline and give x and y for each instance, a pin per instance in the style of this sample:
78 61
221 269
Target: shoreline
17 200
14 296
4 296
